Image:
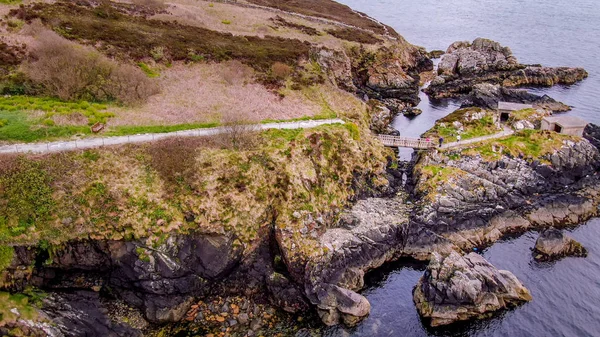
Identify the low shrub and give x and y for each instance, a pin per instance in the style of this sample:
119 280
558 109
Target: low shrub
354 35
126 36
68 71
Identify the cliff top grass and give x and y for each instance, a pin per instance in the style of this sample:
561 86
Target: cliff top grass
471 127
180 185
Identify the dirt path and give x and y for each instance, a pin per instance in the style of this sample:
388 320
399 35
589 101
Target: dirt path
89 143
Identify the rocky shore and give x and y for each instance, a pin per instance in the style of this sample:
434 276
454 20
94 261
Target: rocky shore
337 212
466 64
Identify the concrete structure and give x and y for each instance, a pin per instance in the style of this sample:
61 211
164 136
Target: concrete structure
506 108
568 125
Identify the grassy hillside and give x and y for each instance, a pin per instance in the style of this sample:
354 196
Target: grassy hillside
149 66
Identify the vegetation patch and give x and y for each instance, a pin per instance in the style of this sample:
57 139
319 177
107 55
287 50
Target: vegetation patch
137 191
281 22
433 177
470 127
528 144
354 35
148 71
63 69
26 197
15 307
6 256
327 9
126 130
122 35
29 118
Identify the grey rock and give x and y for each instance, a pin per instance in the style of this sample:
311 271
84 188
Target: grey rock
457 288
554 244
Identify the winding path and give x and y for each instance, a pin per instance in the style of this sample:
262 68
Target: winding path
89 143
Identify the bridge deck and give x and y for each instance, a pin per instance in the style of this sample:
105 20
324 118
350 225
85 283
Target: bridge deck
415 143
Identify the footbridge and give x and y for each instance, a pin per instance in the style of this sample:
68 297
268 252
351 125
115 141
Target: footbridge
414 143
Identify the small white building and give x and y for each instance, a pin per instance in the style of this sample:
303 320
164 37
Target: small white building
506 108
568 125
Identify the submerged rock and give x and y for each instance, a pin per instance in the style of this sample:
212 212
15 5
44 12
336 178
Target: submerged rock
554 244
485 61
457 288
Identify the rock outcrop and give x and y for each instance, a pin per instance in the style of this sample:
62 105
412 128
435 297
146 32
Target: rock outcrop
476 201
485 61
368 235
554 244
487 96
458 288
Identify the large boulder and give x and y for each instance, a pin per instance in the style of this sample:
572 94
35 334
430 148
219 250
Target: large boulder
458 288
554 244
485 61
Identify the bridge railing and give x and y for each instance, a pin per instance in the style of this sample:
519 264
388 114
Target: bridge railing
415 143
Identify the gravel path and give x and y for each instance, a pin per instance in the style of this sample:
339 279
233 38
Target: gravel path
506 132
89 143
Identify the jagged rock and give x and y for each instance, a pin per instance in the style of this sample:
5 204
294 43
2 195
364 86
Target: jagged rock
485 61
457 288
475 191
368 235
554 244
337 65
385 74
381 118
487 96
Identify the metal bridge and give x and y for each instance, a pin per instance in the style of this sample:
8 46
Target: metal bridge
415 143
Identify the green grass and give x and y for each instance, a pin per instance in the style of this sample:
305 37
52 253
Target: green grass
18 122
28 198
6 256
20 127
10 2
226 22
148 71
126 130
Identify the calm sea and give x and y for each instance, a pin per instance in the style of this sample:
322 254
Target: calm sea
566 294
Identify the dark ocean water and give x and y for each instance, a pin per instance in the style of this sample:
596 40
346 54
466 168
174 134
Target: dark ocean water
566 294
